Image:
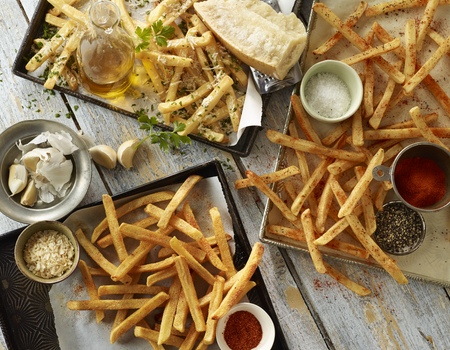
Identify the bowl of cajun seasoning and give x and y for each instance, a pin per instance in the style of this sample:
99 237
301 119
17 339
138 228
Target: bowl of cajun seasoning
245 327
420 176
400 229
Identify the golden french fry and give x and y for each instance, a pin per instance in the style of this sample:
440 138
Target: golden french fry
190 293
369 80
423 127
55 12
182 102
179 196
131 289
153 336
216 299
379 197
161 275
98 257
113 224
157 266
310 237
324 205
425 22
269 178
181 314
169 60
90 287
235 292
340 130
222 243
372 52
428 118
71 12
307 146
138 315
389 6
366 200
387 134
357 128
410 43
338 276
107 304
169 311
350 22
54 20
233 108
303 120
350 184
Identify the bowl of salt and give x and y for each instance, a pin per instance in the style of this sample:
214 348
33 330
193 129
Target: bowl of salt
331 91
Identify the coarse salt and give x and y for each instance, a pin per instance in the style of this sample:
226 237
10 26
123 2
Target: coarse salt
48 254
328 95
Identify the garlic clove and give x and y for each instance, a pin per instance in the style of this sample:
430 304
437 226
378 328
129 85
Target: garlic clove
31 159
29 196
104 156
17 178
126 152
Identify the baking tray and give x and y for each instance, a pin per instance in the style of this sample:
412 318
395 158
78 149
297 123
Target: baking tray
243 146
430 262
26 317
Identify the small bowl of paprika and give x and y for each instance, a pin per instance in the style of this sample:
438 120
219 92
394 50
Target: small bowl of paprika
245 327
420 176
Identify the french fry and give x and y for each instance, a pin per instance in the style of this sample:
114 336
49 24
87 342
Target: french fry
56 12
423 127
379 197
98 257
138 315
181 313
303 120
366 200
362 185
169 60
428 118
130 206
153 336
436 37
310 237
389 6
113 224
372 52
307 146
222 243
269 178
179 196
235 292
350 22
350 184
425 22
90 287
285 211
340 130
161 275
130 289
182 102
71 12
107 304
323 11
324 205
369 80
216 299
410 43
341 278
357 128
387 134
233 108
169 311
54 20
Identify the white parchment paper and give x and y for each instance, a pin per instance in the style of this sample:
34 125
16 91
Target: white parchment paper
79 329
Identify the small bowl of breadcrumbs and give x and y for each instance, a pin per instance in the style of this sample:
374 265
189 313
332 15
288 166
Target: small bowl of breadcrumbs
47 252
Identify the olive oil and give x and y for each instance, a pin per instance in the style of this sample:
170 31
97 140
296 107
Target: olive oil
105 55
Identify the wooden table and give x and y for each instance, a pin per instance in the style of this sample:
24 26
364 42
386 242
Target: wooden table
314 311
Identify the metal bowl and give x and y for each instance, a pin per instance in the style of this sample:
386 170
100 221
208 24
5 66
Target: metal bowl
80 180
42 226
407 247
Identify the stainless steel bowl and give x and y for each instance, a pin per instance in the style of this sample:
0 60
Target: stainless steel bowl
80 180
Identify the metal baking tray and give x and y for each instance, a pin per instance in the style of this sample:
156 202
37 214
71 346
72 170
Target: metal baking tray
242 148
26 317
429 263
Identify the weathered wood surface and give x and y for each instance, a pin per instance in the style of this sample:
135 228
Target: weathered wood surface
314 311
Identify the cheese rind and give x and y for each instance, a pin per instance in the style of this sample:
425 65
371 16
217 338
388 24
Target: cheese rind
255 33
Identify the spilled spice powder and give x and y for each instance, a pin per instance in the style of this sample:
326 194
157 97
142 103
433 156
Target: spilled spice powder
243 331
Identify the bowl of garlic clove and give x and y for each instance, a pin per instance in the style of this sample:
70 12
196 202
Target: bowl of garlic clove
45 170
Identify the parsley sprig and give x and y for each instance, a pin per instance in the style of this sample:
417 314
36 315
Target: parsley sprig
163 138
158 31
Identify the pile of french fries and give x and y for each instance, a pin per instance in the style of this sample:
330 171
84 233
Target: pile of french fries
179 261
353 196
193 75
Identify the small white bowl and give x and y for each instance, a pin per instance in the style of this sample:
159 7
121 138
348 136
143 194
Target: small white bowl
268 328
350 78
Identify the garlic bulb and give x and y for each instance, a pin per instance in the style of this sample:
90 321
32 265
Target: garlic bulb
126 152
104 155
29 196
17 178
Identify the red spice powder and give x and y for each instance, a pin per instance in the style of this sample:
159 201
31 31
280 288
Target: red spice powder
420 181
243 331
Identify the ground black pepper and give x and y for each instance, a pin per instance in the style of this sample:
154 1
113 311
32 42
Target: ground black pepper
399 228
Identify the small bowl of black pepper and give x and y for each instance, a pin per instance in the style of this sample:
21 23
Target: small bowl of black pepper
400 229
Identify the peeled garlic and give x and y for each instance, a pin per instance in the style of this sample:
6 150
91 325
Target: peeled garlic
104 156
31 159
126 152
17 178
29 195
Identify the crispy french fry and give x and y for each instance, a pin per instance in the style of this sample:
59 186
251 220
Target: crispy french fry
307 146
161 275
350 22
423 127
113 224
303 120
372 52
369 80
167 59
341 278
350 184
357 128
216 299
233 108
190 293
340 130
362 185
169 311
71 12
428 118
379 197
131 289
366 200
389 6
425 22
153 336
324 205
410 43
90 287
54 20
269 178
387 134
182 102
107 304
310 237
235 292
222 243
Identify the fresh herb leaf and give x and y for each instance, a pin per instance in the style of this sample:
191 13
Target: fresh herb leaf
163 138
158 31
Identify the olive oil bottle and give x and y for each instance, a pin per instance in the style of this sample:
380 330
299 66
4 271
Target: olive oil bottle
105 55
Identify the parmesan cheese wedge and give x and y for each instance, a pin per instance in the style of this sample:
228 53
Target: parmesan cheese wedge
255 33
